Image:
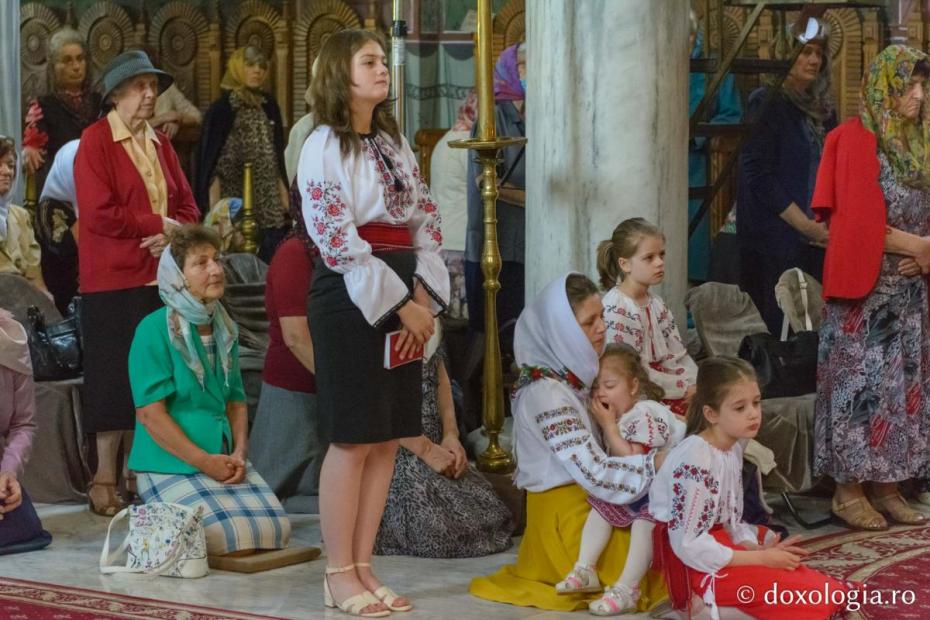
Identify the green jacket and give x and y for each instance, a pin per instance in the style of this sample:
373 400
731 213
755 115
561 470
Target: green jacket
157 372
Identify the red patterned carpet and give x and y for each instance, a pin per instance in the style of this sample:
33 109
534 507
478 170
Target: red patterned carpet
888 563
31 600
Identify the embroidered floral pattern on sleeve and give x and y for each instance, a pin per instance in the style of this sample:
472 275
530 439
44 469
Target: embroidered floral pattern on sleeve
683 515
620 322
565 420
329 216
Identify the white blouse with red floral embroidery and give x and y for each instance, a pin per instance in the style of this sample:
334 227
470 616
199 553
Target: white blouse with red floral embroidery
381 183
697 487
652 331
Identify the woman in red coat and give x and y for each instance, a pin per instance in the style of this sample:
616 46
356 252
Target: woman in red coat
132 193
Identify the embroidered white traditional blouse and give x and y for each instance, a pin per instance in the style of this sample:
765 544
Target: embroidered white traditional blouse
698 487
652 425
381 183
554 446
651 330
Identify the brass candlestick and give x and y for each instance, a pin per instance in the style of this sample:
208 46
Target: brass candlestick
31 198
249 227
488 147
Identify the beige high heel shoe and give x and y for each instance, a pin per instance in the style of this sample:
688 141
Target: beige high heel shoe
354 605
387 595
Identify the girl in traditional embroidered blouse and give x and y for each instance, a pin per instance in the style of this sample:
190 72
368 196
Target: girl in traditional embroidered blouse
630 262
377 230
702 544
632 422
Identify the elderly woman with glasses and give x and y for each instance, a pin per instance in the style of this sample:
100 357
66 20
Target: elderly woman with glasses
132 192
54 119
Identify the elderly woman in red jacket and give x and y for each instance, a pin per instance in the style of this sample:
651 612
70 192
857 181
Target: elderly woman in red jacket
132 193
872 415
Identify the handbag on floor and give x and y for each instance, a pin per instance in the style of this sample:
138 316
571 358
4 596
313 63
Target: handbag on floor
785 367
55 349
164 539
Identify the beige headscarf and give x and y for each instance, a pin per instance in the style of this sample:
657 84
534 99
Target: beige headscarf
234 80
14 346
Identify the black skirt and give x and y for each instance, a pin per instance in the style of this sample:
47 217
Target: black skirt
358 400
108 324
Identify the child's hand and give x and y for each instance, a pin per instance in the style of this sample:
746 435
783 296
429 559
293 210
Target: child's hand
776 557
603 414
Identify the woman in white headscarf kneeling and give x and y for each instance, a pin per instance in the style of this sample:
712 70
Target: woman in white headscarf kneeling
191 439
558 341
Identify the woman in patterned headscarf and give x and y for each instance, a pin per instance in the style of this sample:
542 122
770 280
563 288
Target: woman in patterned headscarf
872 414
244 125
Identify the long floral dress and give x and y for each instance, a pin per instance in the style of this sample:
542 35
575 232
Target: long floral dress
429 515
872 414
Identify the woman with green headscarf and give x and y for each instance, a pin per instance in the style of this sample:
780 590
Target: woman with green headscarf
872 413
244 126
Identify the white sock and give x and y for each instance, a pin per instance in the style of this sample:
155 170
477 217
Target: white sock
594 538
639 557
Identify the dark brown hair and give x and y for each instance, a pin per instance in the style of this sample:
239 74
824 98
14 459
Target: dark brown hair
330 89
631 365
578 288
7 147
715 377
622 244
187 237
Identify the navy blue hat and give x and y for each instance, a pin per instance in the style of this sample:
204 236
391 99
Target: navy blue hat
128 65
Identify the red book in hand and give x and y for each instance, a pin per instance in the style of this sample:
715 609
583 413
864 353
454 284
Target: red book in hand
392 356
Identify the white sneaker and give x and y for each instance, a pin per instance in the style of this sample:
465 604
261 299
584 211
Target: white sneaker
616 600
581 579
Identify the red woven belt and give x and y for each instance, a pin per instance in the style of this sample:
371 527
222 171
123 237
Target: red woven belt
386 237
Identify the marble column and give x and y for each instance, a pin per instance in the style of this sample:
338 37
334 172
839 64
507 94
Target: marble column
607 123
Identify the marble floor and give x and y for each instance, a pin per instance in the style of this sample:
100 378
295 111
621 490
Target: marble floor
439 588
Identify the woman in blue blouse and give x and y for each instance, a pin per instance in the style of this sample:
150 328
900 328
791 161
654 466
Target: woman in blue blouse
778 169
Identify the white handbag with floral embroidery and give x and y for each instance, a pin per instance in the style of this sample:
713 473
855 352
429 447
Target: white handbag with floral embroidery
164 539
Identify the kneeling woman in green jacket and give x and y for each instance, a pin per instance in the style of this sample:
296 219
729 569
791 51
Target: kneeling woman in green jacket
191 437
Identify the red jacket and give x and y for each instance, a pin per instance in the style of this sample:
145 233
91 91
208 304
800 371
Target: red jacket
116 213
848 197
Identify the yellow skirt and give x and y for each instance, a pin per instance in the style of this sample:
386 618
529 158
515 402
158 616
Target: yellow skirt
554 520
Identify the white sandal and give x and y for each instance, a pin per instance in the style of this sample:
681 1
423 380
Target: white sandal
616 600
387 595
354 605
581 579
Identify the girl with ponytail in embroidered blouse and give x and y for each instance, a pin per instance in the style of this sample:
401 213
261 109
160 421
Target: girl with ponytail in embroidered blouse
708 554
377 230
629 263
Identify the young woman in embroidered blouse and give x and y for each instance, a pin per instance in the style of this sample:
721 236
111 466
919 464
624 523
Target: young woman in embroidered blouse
560 462
703 545
372 218
632 422
630 262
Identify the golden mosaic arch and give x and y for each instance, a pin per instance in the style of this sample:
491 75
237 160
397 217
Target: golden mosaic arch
508 27
180 34
108 31
37 23
319 20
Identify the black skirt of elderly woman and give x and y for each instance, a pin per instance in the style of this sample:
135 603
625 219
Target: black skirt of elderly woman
20 528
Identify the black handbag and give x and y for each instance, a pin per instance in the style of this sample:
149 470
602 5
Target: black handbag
783 367
55 349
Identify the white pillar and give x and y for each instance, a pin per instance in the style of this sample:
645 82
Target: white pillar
607 123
